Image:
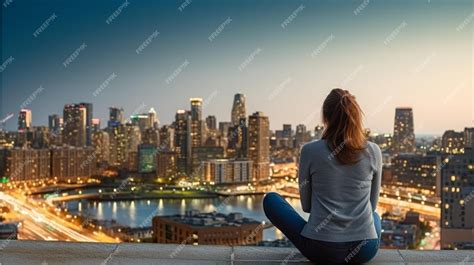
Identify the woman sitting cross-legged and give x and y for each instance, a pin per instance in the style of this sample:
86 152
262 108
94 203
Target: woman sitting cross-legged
339 182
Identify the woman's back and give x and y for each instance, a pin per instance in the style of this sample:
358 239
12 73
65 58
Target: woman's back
340 198
339 181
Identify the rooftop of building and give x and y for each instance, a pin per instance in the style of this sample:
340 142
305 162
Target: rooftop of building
196 218
52 253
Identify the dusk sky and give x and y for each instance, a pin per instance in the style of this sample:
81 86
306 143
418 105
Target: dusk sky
285 56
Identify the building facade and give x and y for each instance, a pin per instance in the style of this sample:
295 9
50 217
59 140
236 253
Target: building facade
403 131
259 145
195 228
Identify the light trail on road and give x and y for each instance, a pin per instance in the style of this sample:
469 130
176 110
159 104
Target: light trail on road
40 222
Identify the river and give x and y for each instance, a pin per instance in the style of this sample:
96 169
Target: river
139 213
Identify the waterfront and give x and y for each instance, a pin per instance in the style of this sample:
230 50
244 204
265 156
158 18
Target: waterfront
138 213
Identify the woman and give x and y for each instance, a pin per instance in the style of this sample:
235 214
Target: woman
339 181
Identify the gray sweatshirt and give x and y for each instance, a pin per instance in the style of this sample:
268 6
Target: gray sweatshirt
340 198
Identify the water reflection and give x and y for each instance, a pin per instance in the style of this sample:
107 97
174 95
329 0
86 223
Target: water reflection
114 210
136 213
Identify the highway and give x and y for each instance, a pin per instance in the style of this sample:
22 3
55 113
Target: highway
37 223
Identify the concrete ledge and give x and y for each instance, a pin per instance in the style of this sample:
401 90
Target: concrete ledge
52 253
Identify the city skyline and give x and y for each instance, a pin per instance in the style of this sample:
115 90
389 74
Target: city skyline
13 120
284 68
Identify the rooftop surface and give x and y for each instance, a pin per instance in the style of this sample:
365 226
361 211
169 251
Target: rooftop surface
51 253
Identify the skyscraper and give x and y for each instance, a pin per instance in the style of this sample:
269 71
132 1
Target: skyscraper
89 125
117 136
24 120
259 145
196 122
182 126
403 131
101 145
238 140
211 122
116 116
54 123
75 125
238 109
153 119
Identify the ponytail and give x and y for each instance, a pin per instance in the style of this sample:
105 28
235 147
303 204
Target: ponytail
344 130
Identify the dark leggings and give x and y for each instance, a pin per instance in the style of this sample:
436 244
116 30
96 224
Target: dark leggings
290 223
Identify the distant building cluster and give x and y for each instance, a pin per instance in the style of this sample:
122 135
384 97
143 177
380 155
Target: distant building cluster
74 146
439 168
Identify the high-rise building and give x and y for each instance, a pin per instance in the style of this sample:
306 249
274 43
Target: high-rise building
133 138
183 144
238 109
259 145
151 136
196 122
39 137
211 122
24 120
238 140
142 121
224 127
197 127
101 145
25 164
469 137
117 144
75 125
95 125
153 118
301 136
89 125
404 131
146 158
54 123
452 142
72 164
457 209
116 116
166 164
284 138
166 138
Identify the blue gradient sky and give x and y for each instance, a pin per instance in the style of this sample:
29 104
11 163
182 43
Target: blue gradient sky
426 65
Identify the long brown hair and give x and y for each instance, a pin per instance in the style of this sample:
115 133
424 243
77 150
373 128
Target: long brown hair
343 128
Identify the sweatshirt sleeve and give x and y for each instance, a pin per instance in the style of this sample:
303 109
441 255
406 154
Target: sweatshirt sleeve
304 179
377 177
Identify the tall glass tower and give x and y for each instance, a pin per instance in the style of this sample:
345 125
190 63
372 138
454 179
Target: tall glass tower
238 109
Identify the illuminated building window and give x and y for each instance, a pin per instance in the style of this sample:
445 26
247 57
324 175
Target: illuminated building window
446 206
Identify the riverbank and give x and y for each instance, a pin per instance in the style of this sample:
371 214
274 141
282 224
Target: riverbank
130 196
